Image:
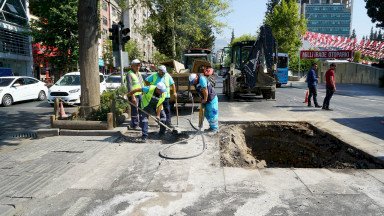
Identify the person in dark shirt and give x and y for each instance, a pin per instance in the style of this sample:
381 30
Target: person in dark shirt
312 85
330 84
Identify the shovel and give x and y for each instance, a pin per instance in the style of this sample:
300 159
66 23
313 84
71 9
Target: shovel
174 131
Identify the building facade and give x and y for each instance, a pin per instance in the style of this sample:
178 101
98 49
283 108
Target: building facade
134 18
328 16
15 45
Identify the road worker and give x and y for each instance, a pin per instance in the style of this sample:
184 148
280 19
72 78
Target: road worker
135 81
163 76
209 100
153 97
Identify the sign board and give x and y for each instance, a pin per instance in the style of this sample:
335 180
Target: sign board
339 54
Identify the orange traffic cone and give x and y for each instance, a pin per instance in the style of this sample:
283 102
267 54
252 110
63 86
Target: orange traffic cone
306 96
62 112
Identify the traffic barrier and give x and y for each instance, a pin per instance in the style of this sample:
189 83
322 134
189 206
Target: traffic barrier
62 112
306 96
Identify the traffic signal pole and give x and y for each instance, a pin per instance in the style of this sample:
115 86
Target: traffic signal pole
120 36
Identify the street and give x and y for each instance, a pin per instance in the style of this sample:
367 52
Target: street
359 107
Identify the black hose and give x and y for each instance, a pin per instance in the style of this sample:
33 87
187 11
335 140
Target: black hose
198 132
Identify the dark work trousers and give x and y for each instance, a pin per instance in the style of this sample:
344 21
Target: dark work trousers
312 91
167 110
135 113
144 123
328 97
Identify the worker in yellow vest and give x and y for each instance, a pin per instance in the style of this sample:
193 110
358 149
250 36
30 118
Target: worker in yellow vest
152 103
163 76
135 81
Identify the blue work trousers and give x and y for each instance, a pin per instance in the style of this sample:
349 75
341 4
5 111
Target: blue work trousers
144 123
212 113
167 110
135 112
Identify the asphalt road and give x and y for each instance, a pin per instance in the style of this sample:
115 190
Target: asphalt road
358 107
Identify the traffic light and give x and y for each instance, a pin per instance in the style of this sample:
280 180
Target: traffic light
114 37
125 36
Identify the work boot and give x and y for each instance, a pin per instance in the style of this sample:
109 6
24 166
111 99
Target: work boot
142 140
317 106
309 105
211 131
137 128
328 109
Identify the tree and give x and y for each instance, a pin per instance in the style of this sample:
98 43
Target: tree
57 28
133 50
159 57
270 6
88 24
179 24
245 37
379 36
287 26
375 35
108 54
357 56
371 35
375 10
232 36
353 35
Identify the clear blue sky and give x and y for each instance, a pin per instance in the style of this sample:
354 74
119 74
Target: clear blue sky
248 15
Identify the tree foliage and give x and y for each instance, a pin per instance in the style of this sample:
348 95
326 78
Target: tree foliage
270 6
133 50
108 54
353 35
57 27
245 37
375 10
180 24
287 26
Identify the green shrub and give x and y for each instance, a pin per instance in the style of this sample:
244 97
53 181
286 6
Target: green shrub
106 99
357 56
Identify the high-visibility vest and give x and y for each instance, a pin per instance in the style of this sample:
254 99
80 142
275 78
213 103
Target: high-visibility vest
147 97
166 80
136 82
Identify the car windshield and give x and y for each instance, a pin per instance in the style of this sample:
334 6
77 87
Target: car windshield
5 81
113 79
69 80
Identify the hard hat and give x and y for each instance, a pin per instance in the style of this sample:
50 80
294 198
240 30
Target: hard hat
163 68
135 61
192 78
161 86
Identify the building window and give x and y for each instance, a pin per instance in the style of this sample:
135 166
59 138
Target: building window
105 21
113 11
105 6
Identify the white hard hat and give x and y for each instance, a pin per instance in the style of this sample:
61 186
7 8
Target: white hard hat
161 86
163 68
192 78
135 61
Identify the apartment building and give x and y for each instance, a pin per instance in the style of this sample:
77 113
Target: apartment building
15 45
328 16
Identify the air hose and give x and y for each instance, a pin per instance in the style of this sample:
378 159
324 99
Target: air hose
199 132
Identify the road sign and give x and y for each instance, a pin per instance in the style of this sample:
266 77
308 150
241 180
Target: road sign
339 54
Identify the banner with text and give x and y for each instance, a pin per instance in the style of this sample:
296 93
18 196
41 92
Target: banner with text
340 54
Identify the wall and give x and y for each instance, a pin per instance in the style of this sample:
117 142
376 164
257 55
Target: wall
353 73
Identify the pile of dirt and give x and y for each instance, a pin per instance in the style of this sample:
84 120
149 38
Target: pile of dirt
288 144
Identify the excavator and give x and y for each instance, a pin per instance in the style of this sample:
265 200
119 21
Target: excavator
252 67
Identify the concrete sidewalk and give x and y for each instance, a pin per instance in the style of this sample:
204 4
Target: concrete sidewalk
100 176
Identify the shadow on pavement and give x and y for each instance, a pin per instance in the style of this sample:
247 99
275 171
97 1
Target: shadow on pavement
373 126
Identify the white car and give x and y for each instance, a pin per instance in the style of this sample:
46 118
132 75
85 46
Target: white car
113 82
20 88
68 89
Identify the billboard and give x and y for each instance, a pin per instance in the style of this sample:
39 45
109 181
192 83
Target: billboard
339 54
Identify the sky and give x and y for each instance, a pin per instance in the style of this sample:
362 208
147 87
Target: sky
247 16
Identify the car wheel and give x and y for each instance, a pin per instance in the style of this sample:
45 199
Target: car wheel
41 96
7 100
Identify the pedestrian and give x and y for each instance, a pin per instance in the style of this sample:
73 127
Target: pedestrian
312 85
134 81
152 103
163 76
209 100
330 85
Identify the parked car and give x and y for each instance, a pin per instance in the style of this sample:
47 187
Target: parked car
68 89
20 88
113 82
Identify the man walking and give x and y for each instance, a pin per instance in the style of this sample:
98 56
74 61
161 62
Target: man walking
209 100
312 85
330 85
152 103
163 76
135 81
